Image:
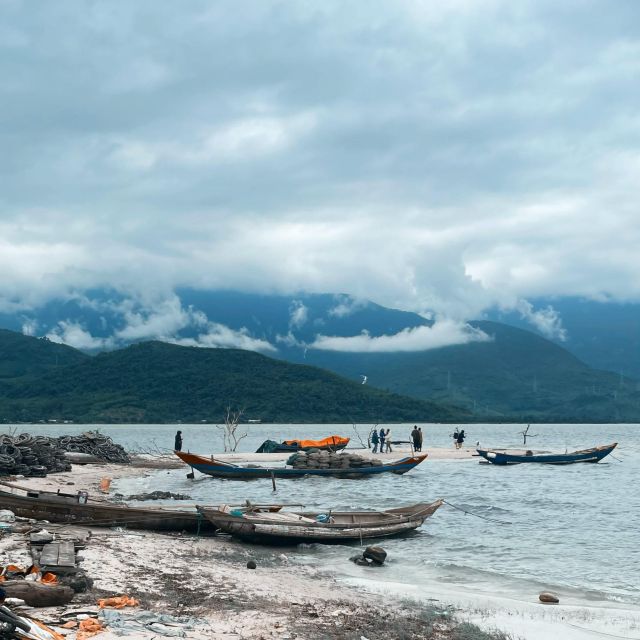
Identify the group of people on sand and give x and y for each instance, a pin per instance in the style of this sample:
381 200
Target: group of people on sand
381 439
458 438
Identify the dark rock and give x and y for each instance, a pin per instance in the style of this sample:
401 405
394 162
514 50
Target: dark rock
363 562
80 582
251 564
548 598
376 554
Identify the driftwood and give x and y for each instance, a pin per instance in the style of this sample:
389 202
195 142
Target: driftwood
36 594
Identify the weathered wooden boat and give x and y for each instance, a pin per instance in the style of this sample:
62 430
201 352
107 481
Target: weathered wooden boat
327 527
330 443
505 456
77 508
218 469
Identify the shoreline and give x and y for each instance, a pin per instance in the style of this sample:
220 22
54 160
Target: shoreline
206 578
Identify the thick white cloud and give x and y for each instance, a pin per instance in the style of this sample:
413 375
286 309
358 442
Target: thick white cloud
75 335
443 333
547 320
431 156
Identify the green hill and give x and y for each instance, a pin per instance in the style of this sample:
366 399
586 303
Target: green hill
159 382
22 356
516 375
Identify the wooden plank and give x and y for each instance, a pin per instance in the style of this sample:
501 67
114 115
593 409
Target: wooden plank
66 554
49 555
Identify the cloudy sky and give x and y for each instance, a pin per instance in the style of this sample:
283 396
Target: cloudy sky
440 156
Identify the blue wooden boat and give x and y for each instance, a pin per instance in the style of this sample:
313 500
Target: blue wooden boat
218 469
505 456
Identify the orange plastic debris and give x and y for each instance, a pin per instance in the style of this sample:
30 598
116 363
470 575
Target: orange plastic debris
331 441
88 628
14 567
49 578
117 602
54 635
105 485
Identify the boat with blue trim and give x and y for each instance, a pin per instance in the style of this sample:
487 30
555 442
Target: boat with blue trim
506 456
219 469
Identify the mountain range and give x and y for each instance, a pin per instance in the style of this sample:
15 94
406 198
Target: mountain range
484 370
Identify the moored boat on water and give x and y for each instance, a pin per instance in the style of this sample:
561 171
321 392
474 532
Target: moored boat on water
285 527
506 456
218 469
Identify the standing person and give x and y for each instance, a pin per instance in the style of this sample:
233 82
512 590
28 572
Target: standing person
374 441
177 446
415 436
460 439
382 438
419 438
455 437
387 438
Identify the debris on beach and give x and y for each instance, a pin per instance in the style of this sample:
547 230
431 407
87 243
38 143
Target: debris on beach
321 459
37 456
96 444
28 455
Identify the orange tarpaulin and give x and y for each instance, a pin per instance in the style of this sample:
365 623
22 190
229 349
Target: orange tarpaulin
88 628
117 602
49 578
327 442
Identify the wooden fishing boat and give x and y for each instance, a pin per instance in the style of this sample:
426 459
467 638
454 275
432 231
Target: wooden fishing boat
336 527
218 469
330 443
77 508
505 456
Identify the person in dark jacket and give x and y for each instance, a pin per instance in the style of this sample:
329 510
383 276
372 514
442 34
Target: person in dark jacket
374 441
383 436
178 443
415 436
419 438
460 439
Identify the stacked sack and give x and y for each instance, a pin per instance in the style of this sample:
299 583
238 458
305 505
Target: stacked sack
321 459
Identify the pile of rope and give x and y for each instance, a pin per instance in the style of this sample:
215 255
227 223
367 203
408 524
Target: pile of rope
95 444
320 459
28 455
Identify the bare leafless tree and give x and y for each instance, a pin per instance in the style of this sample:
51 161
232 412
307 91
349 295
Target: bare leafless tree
230 436
359 437
526 434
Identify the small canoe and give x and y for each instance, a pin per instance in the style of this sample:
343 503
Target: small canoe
505 456
78 509
218 469
331 443
336 527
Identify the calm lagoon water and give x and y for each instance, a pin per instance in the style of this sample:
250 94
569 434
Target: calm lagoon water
575 528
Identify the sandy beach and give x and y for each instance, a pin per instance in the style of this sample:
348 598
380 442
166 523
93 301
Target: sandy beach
204 585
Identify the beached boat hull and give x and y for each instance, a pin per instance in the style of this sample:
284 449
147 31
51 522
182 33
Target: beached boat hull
585 455
64 508
218 469
344 527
